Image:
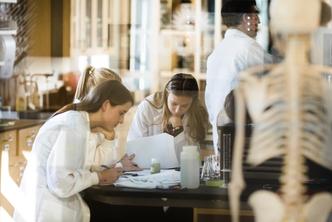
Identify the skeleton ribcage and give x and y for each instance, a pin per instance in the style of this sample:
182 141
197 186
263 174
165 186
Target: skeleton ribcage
271 133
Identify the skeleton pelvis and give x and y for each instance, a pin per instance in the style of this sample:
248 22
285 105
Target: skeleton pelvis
317 209
269 206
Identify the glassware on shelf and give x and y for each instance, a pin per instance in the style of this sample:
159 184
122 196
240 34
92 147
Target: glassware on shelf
4 18
6 22
184 17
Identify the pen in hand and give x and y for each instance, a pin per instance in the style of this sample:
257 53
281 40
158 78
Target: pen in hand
130 174
109 175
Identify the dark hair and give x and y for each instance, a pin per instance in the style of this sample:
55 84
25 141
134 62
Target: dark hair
325 14
233 10
182 84
111 90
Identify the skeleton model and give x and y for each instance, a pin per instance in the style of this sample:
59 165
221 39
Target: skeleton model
292 114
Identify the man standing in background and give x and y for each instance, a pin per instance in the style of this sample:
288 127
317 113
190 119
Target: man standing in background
235 53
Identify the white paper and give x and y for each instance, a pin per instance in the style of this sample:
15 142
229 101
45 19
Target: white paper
163 180
160 147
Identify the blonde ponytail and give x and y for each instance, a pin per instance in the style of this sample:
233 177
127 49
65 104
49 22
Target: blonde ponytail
92 77
82 86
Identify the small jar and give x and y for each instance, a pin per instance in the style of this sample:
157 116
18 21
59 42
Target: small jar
155 166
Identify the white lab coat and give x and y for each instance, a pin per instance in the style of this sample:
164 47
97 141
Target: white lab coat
147 121
57 170
235 53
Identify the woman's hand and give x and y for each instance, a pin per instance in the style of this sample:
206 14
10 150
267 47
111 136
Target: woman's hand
128 164
109 176
110 135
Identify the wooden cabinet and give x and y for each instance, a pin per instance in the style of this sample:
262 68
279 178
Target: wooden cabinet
8 155
9 152
15 147
25 139
8 142
51 18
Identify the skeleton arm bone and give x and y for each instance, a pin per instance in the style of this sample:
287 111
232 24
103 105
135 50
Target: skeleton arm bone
237 183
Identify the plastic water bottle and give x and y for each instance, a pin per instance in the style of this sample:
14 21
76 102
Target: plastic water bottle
190 162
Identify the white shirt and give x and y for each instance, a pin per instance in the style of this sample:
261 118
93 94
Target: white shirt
57 170
147 121
103 152
235 53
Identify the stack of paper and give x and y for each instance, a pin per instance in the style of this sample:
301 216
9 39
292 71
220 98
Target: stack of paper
163 180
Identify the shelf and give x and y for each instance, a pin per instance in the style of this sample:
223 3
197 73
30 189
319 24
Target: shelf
177 32
8 32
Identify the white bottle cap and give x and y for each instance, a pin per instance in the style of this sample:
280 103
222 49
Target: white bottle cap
154 160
